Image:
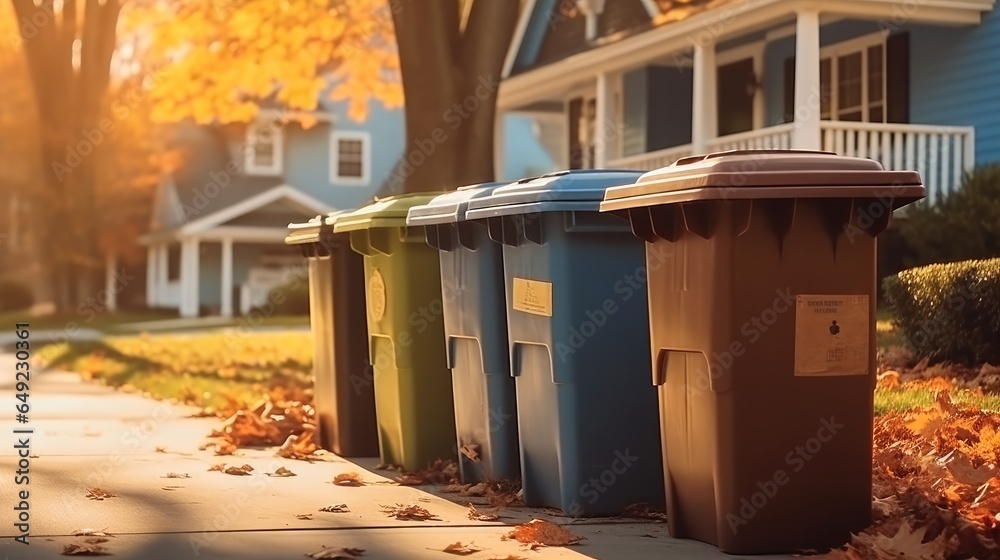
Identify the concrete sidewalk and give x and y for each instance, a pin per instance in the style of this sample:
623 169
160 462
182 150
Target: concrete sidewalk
88 436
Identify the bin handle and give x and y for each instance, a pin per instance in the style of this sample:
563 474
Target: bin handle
467 234
516 358
717 384
360 243
447 235
431 236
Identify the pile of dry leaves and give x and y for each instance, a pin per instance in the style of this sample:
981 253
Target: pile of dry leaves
276 420
936 484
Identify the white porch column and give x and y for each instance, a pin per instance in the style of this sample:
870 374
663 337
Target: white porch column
189 278
604 121
806 135
111 283
227 277
162 272
152 275
704 110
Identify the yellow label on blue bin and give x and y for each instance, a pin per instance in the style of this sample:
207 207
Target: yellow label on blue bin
533 296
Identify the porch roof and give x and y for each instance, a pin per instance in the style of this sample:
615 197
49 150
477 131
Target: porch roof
715 22
219 224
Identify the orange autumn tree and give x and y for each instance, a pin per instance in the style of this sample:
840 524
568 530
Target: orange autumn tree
223 58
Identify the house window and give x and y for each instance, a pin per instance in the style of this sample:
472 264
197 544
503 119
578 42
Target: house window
853 83
350 157
263 152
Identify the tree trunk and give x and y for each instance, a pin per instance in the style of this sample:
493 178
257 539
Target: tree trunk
69 100
451 80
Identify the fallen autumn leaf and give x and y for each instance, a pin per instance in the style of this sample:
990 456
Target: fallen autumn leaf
337 553
348 479
539 532
461 549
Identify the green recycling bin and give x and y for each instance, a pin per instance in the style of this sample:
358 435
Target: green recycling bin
475 324
343 396
413 394
762 325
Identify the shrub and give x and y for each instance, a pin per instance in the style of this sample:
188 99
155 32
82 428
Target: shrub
949 312
15 296
964 225
291 298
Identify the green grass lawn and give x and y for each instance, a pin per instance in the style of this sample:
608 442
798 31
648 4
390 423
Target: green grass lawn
202 369
208 369
82 321
121 321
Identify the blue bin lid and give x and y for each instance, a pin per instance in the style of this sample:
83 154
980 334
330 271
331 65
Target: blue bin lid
579 189
449 207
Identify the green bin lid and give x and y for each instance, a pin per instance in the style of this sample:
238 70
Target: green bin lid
578 189
449 207
387 212
758 174
308 232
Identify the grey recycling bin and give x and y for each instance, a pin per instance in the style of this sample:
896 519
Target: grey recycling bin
475 324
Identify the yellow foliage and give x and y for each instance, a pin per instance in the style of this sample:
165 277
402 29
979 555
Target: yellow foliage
221 60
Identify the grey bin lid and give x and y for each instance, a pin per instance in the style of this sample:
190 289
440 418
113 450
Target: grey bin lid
758 174
308 232
449 208
575 190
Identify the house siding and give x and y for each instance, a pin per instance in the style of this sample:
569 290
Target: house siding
308 151
955 78
657 108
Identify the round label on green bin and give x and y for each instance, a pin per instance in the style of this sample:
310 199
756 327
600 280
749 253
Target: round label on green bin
376 295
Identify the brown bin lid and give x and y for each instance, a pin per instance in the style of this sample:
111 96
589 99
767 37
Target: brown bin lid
756 174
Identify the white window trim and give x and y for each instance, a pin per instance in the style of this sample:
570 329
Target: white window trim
366 157
850 46
250 167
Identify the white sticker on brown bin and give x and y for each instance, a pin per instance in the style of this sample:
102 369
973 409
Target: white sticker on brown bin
532 296
831 335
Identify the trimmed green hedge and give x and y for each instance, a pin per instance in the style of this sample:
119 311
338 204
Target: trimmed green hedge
949 312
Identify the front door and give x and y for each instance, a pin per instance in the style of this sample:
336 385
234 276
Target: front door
736 84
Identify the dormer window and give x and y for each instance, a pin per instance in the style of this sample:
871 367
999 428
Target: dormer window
592 9
263 150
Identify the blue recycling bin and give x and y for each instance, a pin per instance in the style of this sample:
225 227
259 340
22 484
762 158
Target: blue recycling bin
475 325
578 330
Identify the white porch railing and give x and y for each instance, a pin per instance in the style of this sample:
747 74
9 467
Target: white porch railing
770 138
940 153
651 160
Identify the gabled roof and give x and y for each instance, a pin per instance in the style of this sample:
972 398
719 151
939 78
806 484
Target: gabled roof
551 30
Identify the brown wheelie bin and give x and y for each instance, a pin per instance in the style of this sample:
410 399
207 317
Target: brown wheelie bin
761 268
344 395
